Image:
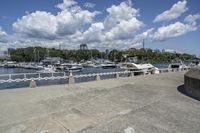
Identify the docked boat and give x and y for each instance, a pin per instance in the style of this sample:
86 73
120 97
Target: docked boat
108 65
47 69
146 68
71 67
10 64
33 66
177 65
88 64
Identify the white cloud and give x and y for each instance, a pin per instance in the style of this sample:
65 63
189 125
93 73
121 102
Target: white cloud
173 13
38 24
122 22
41 24
122 12
173 30
2 33
89 5
191 19
94 33
73 25
66 4
125 29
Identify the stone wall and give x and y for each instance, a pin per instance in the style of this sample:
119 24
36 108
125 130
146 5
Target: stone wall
192 83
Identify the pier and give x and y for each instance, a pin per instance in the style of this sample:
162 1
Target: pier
143 104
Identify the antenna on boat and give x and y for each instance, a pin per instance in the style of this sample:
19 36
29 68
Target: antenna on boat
35 56
143 43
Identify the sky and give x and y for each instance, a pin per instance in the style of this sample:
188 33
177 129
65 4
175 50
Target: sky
102 24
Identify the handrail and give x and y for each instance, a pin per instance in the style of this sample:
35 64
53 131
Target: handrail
7 78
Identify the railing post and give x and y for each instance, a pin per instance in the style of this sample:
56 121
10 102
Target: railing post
98 78
33 84
71 78
52 75
131 74
117 75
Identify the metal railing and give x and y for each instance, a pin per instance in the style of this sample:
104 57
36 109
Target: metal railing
31 76
24 77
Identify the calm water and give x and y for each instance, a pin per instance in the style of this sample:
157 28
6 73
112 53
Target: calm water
51 82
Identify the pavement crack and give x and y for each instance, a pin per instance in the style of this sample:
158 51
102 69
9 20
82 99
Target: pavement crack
61 124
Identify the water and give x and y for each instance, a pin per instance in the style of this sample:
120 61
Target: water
165 65
63 81
51 82
161 65
15 70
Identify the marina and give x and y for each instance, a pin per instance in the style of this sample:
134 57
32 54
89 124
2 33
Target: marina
92 66
22 77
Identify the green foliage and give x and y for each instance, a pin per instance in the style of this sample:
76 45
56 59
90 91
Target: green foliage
32 54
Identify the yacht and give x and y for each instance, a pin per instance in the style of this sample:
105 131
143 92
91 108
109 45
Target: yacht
177 65
32 66
107 65
146 68
71 67
47 69
10 64
88 64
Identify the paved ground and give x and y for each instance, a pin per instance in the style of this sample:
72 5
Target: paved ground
143 104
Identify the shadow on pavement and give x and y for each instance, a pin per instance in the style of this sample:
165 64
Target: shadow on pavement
181 89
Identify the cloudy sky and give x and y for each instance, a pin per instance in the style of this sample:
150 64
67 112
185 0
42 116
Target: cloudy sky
102 24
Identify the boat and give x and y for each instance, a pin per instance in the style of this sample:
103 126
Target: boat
88 64
108 65
10 64
146 68
177 65
73 67
47 69
32 66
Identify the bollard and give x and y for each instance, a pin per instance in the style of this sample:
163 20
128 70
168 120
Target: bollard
98 78
33 84
116 75
71 78
132 74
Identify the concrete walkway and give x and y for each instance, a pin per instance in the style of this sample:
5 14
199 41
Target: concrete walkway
142 104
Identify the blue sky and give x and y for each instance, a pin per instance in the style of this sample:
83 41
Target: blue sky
101 24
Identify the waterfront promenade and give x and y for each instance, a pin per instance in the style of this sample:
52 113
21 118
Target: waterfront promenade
140 104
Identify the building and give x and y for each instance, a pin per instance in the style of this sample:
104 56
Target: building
107 51
83 47
10 50
171 51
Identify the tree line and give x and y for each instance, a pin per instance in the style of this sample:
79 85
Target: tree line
36 54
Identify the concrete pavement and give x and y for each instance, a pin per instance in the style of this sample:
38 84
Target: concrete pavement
142 104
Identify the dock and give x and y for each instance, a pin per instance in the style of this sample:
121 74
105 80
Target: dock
136 104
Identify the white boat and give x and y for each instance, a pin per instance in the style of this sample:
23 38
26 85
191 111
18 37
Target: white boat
10 64
32 66
146 68
47 69
71 67
177 65
108 64
88 64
